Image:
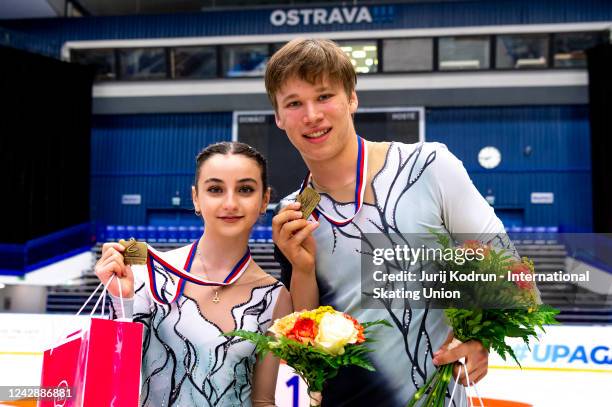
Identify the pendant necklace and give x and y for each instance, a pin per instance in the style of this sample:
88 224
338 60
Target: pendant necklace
239 268
155 259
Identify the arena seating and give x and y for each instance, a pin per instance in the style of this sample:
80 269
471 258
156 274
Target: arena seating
540 244
70 297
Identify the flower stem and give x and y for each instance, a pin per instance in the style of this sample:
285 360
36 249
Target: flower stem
419 394
446 372
435 388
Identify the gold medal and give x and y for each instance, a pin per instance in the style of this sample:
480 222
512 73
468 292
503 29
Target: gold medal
135 252
309 198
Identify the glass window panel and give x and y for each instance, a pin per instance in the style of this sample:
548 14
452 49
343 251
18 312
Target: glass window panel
245 60
403 55
569 48
102 59
195 62
277 46
522 51
143 63
363 54
463 53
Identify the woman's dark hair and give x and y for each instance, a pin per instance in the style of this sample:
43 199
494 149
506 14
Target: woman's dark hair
237 148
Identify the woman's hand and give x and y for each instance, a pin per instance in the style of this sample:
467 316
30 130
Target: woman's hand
111 263
293 236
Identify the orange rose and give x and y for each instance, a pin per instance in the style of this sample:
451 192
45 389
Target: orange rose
476 245
304 331
518 269
358 327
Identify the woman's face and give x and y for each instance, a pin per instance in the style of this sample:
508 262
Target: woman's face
230 194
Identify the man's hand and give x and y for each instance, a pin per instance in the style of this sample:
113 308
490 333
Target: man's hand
476 359
293 236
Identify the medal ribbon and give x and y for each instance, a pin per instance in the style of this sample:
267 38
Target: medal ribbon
360 186
184 275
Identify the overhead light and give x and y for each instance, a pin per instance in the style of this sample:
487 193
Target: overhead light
527 62
359 54
467 64
2 285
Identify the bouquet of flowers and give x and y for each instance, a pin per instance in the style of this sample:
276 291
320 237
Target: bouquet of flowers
316 343
507 306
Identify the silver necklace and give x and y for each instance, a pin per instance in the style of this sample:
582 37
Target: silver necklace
216 299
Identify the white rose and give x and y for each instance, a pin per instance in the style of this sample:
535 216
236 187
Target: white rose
335 331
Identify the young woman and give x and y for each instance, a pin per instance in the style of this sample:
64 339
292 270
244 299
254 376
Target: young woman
186 360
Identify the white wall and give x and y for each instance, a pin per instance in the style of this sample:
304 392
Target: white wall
23 298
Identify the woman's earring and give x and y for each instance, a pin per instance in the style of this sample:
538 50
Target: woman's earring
198 213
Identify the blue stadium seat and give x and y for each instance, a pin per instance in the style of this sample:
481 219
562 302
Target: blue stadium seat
151 234
141 232
268 234
172 234
130 232
183 235
121 233
194 233
162 234
111 233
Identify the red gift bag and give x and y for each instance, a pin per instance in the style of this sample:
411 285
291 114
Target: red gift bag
100 365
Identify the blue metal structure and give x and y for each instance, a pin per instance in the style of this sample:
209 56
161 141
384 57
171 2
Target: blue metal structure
18 259
148 155
152 155
544 149
258 21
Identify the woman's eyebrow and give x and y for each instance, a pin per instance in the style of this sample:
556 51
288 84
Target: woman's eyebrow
248 180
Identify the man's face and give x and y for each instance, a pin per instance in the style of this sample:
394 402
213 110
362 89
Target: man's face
316 117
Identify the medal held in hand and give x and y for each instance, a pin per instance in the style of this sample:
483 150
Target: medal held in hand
309 198
135 252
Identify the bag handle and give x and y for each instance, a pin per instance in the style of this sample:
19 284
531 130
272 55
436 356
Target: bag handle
103 298
472 385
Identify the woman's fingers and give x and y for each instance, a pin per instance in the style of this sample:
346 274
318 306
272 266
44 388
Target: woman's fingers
115 259
111 261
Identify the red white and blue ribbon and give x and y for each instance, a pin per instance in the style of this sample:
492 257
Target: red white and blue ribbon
184 275
361 169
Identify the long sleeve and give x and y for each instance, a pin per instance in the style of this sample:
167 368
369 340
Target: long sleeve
464 209
138 307
465 213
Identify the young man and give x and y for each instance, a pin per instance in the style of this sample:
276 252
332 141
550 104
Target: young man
366 187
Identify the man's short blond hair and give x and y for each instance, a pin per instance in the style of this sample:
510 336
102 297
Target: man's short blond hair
311 60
